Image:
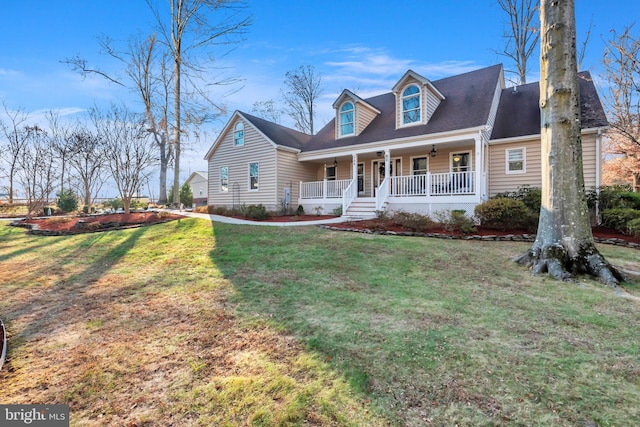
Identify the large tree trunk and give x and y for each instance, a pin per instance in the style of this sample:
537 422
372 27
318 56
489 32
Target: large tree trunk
564 244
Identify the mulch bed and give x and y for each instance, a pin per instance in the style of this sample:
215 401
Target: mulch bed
64 225
600 234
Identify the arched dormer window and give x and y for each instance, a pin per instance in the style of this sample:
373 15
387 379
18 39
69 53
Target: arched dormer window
347 119
238 134
411 105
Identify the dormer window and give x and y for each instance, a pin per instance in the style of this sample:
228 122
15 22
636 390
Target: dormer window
346 119
411 105
238 134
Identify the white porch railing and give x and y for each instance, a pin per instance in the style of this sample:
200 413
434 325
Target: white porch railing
323 189
383 193
349 194
433 184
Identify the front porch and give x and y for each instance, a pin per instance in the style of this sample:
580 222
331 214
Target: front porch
427 192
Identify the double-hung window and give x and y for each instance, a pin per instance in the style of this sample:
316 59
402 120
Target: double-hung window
515 160
254 173
411 105
346 119
419 166
224 178
238 134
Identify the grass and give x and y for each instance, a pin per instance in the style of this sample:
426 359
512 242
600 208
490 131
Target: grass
186 324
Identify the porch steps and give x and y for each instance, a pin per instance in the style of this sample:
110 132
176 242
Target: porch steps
361 209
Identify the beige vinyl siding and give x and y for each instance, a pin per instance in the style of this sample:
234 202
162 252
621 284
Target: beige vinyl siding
589 160
500 181
237 158
364 116
432 103
290 173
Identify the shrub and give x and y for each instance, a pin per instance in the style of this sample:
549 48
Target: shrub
530 196
258 212
412 221
201 209
67 201
503 213
456 221
217 210
337 211
633 227
619 218
300 210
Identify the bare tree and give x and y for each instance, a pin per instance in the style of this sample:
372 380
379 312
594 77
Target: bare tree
59 137
267 110
190 26
87 161
303 87
522 33
16 133
564 243
39 168
622 74
128 151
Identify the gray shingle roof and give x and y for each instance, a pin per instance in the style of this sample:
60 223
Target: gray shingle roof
467 104
519 109
278 134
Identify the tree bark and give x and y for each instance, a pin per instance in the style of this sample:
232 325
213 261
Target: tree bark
564 244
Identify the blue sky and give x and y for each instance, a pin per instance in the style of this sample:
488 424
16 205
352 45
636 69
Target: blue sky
364 46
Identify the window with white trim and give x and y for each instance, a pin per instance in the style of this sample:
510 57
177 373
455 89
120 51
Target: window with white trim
224 179
419 166
238 134
515 160
347 119
411 105
254 173
331 172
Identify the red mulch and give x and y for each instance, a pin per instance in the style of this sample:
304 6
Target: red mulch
600 232
58 223
287 218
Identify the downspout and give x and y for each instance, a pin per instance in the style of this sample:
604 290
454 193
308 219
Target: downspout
598 173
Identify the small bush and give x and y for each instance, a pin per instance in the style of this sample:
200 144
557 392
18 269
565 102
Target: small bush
258 212
503 213
456 221
619 218
337 211
201 209
633 227
412 221
67 201
300 210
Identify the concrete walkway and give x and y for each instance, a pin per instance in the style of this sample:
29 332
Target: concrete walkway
229 220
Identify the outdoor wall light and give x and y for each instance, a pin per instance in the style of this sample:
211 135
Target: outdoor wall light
335 162
433 151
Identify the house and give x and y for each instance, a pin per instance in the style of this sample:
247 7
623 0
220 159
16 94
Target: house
199 187
425 146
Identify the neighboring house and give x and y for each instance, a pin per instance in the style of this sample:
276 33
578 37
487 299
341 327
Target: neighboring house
423 147
199 187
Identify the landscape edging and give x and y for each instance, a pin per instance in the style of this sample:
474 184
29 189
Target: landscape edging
493 237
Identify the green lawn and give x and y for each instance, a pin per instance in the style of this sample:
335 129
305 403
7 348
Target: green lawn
188 324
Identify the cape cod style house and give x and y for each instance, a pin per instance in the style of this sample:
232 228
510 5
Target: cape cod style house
425 146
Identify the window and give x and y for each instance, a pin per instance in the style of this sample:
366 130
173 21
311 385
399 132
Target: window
238 135
460 162
411 105
224 179
515 160
419 166
346 119
331 173
254 172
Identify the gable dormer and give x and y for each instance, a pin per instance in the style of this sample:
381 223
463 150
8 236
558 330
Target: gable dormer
416 100
353 114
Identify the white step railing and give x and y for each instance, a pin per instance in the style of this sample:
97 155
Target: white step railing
383 193
349 195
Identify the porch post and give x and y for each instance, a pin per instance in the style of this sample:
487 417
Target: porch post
480 189
354 167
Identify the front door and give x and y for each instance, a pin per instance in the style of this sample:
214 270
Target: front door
378 172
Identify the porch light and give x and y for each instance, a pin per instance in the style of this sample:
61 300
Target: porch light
335 162
456 158
433 151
